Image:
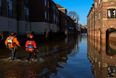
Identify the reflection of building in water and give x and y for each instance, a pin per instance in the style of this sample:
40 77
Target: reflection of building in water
104 66
111 39
102 38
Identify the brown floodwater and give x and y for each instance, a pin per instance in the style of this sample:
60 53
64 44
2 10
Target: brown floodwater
66 58
103 56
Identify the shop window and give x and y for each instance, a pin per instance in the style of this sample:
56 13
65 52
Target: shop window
26 12
111 13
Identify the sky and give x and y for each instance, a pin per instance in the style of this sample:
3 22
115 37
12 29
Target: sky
81 7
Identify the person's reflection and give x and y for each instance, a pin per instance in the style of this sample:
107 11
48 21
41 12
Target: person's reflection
31 73
111 71
12 73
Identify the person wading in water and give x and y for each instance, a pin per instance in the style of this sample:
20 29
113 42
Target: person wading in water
12 43
31 47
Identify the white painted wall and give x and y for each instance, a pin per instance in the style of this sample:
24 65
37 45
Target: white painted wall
54 27
41 27
8 24
23 27
12 25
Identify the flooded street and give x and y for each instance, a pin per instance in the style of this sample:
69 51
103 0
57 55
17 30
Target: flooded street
58 59
57 38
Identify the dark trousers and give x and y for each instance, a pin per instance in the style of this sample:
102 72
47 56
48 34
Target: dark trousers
30 55
13 53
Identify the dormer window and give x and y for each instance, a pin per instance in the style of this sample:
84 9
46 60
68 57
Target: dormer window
111 13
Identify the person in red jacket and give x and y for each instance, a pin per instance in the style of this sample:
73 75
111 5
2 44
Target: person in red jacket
31 46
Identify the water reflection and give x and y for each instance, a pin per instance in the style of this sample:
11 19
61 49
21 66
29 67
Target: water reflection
53 55
112 43
103 57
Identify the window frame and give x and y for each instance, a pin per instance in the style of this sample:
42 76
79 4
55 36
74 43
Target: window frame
109 13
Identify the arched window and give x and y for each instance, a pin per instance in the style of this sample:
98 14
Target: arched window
111 13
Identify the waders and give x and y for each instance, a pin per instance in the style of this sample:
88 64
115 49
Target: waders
13 53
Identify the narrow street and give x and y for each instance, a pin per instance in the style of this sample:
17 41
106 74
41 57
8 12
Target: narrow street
59 59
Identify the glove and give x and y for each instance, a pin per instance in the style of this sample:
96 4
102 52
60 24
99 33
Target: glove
6 46
36 50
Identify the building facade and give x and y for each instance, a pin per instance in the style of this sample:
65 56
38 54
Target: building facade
7 16
101 36
14 16
36 16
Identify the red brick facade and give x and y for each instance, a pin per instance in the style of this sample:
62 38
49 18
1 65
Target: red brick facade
100 20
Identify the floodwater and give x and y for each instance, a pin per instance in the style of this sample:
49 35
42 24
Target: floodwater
66 58
102 53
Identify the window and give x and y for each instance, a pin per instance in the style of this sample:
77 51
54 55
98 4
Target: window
48 16
99 1
26 10
26 13
111 13
95 17
26 2
45 1
95 4
10 7
45 15
48 4
54 17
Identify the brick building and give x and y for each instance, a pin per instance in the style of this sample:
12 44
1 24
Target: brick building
44 17
63 10
23 22
14 16
28 16
102 25
7 15
66 24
